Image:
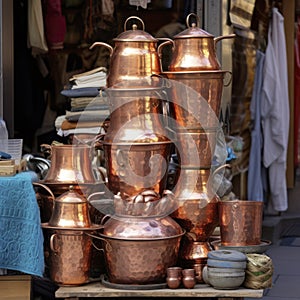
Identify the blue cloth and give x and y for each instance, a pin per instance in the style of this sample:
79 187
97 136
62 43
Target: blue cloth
21 236
255 180
81 92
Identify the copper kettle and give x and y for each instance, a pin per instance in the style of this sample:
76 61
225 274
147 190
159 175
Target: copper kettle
134 57
195 49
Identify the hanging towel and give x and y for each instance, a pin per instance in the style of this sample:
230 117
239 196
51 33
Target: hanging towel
255 185
21 236
275 111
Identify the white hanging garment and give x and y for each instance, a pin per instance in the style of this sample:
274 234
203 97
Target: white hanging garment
275 111
36 34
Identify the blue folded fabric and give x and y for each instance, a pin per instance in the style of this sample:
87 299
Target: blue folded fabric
21 236
81 92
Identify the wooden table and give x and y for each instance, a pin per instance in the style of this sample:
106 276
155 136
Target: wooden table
96 289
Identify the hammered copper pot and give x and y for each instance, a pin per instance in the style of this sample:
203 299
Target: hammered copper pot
195 97
196 148
139 250
195 49
240 222
137 115
134 167
134 57
68 256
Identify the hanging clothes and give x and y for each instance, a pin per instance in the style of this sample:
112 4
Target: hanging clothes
255 181
297 94
275 112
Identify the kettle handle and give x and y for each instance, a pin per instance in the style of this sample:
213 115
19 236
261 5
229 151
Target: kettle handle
45 187
134 17
160 47
188 19
109 47
218 38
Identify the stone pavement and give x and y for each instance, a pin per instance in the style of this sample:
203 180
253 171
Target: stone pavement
284 232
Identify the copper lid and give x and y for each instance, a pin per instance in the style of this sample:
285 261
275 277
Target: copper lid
193 32
135 35
71 196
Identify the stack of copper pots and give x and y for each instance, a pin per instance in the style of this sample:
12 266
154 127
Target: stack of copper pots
137 151
68 244
196 92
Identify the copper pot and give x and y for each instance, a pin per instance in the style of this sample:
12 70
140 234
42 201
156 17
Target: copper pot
136 115
68 256
240 222
134 167
194 49
196 97
139 250
196 148
134 57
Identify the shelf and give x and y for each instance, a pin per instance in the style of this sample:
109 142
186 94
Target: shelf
96 289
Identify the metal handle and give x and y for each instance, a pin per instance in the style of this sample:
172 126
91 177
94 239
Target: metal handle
109 47
108 246
161 46
229 80
134 17
52 242
45 187
188 19
229 36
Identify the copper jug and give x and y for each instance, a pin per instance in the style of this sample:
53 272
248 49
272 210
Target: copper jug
70 165
195 49
134 57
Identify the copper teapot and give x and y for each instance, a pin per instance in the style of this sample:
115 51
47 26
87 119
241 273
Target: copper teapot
195 49
134 57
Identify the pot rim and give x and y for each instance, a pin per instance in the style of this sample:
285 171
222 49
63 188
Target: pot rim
93 227
104 236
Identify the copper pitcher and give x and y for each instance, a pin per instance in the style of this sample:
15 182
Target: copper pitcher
134 57
195 49
70 210
70 164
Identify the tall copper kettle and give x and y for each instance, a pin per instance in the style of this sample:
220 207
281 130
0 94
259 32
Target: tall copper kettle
194 49
134 57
